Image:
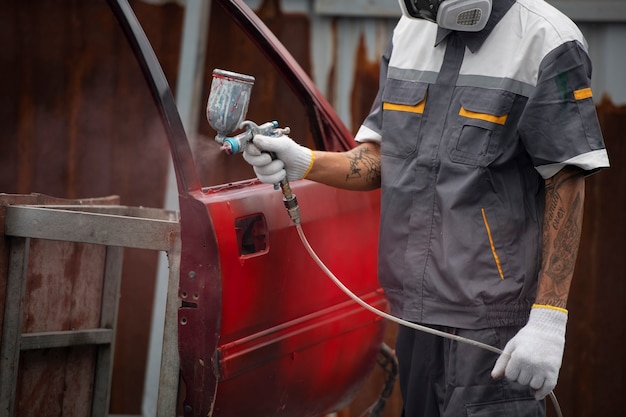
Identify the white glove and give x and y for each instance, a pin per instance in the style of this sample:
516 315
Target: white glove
292 161
534 355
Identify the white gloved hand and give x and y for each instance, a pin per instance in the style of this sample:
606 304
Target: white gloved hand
533 357
292 161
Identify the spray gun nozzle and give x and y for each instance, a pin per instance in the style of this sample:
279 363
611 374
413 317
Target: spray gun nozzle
231 146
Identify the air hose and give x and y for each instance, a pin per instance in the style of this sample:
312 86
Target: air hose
395 319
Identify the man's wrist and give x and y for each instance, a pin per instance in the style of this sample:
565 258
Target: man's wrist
551 307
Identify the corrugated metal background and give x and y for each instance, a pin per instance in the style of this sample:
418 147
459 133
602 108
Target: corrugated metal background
364 26
77 121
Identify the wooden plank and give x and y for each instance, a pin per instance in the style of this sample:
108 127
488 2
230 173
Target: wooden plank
117 210
109 309
46 340
170 358
64 286
11 329
55 382
102 229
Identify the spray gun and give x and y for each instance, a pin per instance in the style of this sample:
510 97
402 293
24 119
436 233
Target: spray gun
226 111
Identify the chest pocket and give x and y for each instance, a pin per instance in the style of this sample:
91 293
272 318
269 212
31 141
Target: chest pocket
480 124
403 111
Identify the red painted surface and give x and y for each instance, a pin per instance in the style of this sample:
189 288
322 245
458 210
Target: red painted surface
290 342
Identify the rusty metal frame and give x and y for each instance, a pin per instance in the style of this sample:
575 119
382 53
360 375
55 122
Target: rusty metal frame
115 227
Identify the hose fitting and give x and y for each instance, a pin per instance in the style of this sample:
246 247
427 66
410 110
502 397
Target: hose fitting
290 201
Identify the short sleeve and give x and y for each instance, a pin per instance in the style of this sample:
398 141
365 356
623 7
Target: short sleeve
370 130
559 125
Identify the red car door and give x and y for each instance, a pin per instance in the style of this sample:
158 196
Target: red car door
262 330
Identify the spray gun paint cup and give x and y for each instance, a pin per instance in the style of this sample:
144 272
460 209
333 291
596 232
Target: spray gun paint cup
228 102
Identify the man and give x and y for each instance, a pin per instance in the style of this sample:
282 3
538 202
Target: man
480 137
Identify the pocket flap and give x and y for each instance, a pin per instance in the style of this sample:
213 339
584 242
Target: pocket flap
404 92
492 102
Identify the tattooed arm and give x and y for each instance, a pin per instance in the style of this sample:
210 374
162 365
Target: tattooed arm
534 355
565 195
356 169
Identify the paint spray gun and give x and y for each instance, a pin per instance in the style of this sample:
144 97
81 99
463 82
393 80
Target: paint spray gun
226 112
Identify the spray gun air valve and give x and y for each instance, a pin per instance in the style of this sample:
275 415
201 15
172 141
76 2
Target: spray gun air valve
236 144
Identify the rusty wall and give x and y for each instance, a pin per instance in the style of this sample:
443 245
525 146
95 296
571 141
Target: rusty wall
592 380
77 121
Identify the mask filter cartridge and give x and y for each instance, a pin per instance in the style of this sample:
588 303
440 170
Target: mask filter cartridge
464 15
461 15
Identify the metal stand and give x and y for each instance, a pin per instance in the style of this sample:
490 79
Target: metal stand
115 227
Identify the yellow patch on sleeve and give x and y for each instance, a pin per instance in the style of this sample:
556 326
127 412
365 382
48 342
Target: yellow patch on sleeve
583 94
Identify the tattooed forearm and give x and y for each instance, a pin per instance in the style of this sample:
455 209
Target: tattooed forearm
561 263
357 169
364 165
561 236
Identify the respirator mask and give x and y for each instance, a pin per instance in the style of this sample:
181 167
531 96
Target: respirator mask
462 15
